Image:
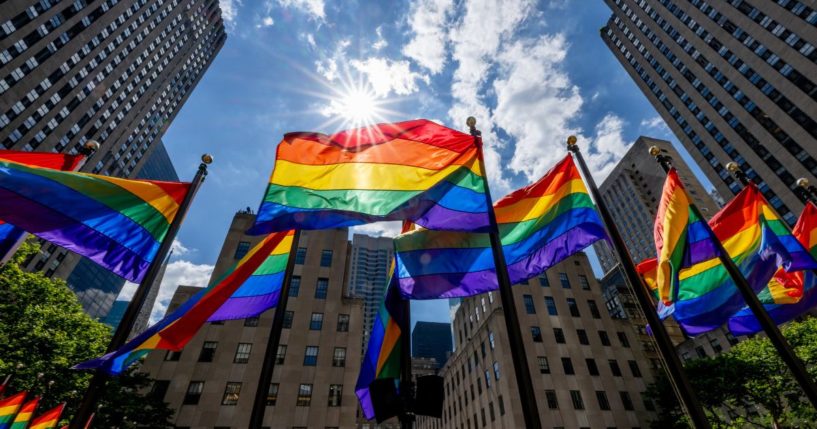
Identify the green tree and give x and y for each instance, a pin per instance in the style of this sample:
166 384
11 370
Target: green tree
44 331
749 386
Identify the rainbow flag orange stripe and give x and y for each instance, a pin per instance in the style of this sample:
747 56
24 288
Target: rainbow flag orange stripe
48 419
23 416
9 407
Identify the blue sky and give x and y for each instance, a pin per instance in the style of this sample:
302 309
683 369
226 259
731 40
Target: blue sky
531 72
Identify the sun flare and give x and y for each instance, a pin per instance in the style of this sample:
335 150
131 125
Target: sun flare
358 107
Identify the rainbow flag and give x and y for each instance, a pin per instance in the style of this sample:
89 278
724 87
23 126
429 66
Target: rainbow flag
539 226
48 419
9 407
690 278
117 223
225 298
382 358
9 234
799 287
416 170
24 415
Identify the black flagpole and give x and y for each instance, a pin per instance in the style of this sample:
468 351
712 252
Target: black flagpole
783 347
89 401
259 405
406 382
518 356
675 370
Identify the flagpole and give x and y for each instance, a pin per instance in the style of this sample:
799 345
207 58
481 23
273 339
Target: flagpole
674 367
92 395
524 381
406 382
784 349
259 405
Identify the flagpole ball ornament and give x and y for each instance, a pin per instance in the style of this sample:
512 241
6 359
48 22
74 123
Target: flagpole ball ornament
207 158
92 145
802 182
732 166
471 122
571 141
655 151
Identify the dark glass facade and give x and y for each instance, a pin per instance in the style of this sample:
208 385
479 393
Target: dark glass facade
432 340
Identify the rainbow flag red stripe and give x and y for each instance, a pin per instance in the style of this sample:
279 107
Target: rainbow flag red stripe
48 419
415 170
176 329
23 416
9 407
117 223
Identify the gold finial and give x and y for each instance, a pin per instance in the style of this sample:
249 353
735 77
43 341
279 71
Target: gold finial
732 166
92 145
655 151
571 140
207 158
802 182
471 122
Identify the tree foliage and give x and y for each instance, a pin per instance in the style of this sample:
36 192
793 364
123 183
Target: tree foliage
44 331
749 386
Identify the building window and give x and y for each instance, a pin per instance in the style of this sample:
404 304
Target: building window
605 339
567 365
242 249
316 322
208 351
487 379
339 357
300 255
626 400
496 370
321 288
335 394
553 402
536 333
585 284
173 356
280 354
604 404
543 281
573 307
294 286
716 345
594 310
272 394
501 405
343 323
614 368
159 389
576 397
544 366
194 389
559 334
251 322
582 334
231 393
634 368
592 369
242 353
622 338
311 356
288 316
326 258
528 300
564 280
491 340
304 395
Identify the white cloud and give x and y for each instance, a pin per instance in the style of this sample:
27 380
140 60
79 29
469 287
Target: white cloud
428 22
381 41
607 147
179 249
378 229
386 76
229 13
314 8
267 21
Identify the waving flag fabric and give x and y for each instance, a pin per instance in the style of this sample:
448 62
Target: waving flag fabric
9 407
416 170
49 419
217 302
9 234
382 358
799 288
117 223
539 226
23 416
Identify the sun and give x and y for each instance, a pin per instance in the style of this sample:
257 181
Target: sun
358 107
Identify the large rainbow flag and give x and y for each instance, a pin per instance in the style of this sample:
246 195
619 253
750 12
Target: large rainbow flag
250 287
9 234
792 294
690 279
416 170
48 419
117 223
9 407
23 416
539 226
382 358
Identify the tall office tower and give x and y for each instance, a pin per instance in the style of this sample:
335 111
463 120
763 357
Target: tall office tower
368 275
212 382
586 367
96 287
114 71
431 340
735 81
632 192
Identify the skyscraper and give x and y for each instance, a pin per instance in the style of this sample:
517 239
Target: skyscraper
113 71
431 340
734 80
368 275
